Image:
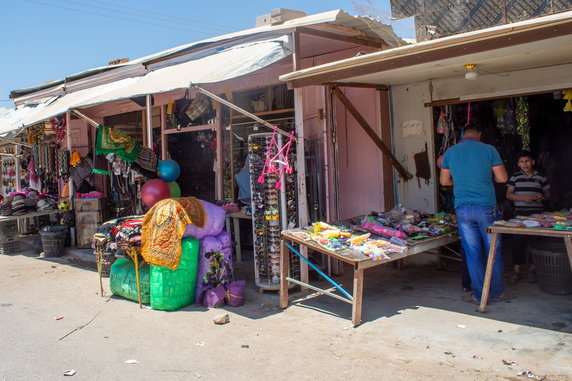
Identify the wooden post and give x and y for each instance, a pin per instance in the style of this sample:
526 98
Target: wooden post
357 295
164 137
489 273
371 133
568 242
219 159
284 266
149 125
300 155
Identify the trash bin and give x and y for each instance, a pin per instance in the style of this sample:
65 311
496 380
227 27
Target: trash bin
53 242
552 266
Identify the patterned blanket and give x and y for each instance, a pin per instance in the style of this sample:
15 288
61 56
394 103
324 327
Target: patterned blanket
164 226
115 141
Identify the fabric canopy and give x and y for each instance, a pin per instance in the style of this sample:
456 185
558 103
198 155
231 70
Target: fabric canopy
210 66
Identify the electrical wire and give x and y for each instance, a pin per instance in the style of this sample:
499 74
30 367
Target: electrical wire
115 17
224 27
167 18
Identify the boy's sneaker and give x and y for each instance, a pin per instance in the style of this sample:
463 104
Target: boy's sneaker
532 278
515 278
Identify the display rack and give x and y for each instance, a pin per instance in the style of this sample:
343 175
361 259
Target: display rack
272 211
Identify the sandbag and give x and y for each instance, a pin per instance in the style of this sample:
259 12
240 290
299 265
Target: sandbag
214 224
221 243
174 289
123 282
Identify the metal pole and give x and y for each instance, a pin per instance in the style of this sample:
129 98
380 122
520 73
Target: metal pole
239 109
149 126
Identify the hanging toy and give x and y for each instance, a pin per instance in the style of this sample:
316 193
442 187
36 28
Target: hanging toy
442 123
278 163
568 96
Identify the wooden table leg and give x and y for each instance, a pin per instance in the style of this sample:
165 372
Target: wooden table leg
568 241
100 268
135 257
357 296
284 267
489 273
236 225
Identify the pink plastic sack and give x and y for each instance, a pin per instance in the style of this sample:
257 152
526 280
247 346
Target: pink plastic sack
235 293
214 297
214 223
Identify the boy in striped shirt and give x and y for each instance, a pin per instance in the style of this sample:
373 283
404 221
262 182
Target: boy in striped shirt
527 189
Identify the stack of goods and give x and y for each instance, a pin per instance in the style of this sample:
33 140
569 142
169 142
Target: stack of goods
31 201
561 220
6 207
181 240
269 195
18 205
45 204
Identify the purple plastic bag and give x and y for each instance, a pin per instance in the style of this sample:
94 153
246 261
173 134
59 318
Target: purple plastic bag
214 223
214 297
221 243
235 293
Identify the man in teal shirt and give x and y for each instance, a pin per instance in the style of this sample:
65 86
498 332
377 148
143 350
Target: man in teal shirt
470 167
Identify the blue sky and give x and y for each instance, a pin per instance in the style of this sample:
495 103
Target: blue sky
44 40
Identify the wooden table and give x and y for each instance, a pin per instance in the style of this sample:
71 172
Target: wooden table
29 215
358 260
236 217
496 230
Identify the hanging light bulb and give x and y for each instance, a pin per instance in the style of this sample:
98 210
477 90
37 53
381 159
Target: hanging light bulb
471 75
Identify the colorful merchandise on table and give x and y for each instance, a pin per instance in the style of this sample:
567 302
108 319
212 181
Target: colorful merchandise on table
561 220
385 233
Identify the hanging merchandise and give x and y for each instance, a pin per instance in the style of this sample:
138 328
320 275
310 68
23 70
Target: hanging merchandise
59 126
273 206
567 94
442 123
75 158
276 159
115 141
35 133
63 160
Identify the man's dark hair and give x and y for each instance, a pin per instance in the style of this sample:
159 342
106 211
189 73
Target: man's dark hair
524 154
473 127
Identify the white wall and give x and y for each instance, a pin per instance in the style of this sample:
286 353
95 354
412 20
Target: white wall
407 103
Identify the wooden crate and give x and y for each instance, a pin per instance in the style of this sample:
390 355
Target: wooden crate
89 215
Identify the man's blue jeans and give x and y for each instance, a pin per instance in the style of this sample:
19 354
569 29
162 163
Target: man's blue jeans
473 221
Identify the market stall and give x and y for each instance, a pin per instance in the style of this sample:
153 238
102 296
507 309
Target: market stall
364 242
556 225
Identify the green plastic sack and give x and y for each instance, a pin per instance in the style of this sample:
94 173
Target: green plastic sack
174 289
122 280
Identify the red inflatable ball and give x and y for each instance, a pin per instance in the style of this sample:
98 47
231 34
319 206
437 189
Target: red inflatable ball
154 191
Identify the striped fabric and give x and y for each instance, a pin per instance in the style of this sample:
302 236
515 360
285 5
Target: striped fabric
528 186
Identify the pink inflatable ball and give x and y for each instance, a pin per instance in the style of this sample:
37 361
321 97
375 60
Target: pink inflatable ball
154 191
174 189
214 222
168 170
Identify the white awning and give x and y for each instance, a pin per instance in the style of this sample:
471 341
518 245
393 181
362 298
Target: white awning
221 64
13 118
